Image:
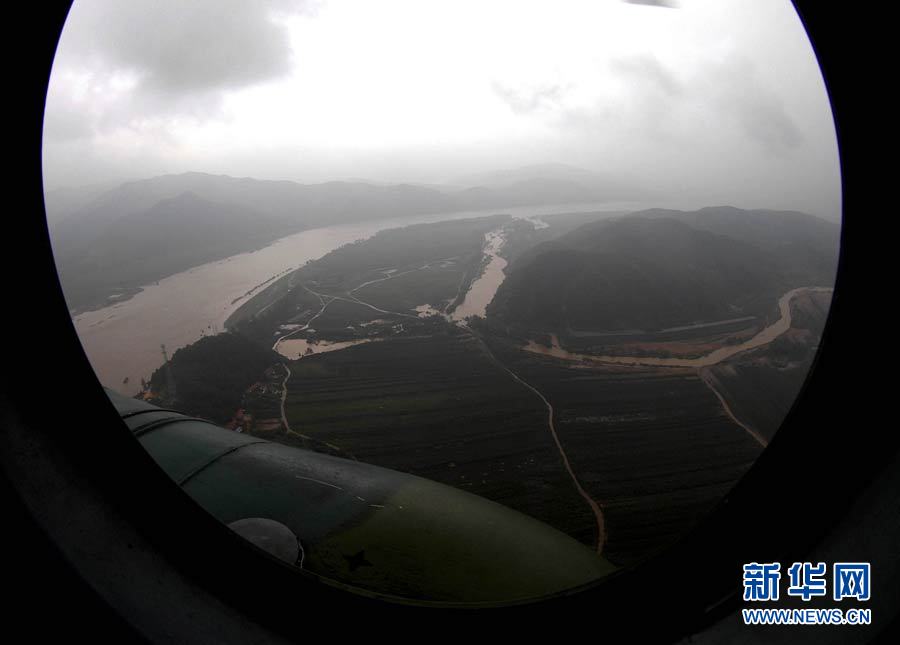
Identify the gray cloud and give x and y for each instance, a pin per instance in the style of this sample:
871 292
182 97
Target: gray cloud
768 123
667 4
729 92
180 58
529 100
644 112
759 111
648 71
66 125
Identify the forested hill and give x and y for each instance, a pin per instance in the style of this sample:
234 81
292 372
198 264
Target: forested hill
211 375
657 269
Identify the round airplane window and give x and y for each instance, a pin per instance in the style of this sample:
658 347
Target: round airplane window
471 302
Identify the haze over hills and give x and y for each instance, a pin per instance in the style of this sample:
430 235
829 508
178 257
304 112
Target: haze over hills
769 229
171 236
142 215
553 172
304 205
657 269
550 183
62 202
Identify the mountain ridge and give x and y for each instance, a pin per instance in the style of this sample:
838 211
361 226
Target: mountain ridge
269 207
649 271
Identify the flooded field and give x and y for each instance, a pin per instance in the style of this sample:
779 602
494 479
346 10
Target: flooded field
483 289
295 348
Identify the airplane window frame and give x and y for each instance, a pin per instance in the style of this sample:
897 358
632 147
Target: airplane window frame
689 585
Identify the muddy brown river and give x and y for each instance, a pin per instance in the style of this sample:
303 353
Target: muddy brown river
764 337
122 341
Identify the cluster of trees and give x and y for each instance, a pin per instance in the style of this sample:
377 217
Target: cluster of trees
211 375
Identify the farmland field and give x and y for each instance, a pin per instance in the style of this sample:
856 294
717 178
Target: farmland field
653 446
437 407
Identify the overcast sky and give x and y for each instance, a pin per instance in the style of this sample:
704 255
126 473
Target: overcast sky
720 101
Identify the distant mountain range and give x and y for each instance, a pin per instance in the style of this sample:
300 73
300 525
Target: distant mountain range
556 172
656 269
62 202
114 241
544 184
172 235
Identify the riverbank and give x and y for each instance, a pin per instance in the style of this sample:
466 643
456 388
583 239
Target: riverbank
122 341
764 337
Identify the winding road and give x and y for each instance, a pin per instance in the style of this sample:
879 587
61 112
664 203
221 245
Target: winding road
287 375
325 304
707 378
595 507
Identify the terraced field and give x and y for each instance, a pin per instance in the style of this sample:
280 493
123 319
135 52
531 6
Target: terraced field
438 407
653 446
